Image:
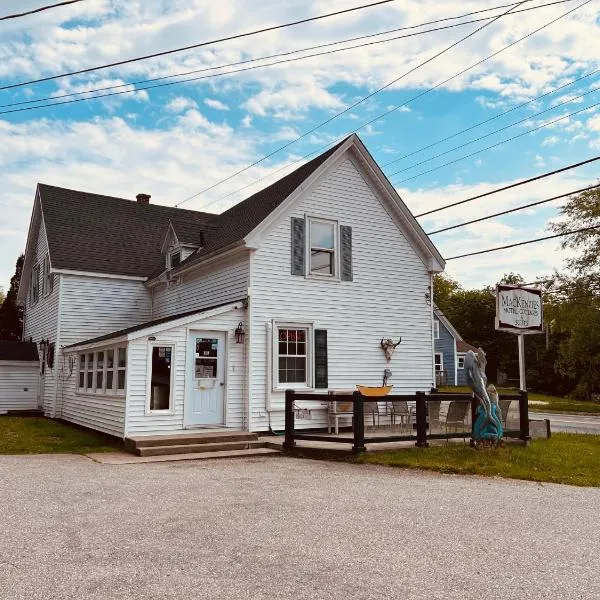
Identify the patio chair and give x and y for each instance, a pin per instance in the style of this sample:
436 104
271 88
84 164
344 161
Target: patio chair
338 410
433 408
371 410
504 409
401 411
458 411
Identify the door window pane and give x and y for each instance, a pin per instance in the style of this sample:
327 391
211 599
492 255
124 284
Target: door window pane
160 383
206 358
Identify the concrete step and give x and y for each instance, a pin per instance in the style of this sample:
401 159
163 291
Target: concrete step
198 448
216 437
123 458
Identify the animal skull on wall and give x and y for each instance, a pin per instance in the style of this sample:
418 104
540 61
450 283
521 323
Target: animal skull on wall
389 347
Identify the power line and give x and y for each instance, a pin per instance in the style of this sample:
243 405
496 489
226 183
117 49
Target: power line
512 210
199 45
500 143
38 10
350 107
497 116
53 98
496 131
512 185
541 239
388 112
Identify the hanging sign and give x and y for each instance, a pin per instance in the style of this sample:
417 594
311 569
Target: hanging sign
519 310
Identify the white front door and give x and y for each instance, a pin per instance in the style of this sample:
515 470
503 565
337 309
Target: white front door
205 397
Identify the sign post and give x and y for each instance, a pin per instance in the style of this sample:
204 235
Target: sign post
519 310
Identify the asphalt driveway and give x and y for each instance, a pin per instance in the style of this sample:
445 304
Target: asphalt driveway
270 528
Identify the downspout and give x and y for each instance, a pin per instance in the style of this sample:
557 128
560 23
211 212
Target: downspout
432 332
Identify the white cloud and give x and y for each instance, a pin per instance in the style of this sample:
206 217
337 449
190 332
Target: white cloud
594 123
551 140
216 104
180 104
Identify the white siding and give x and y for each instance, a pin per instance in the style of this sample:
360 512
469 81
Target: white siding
386 298
91 307
104 413
94 306
227 283
19 386
41 321
138 423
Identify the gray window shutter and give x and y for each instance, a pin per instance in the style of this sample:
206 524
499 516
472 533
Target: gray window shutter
298 248
346 252
321 379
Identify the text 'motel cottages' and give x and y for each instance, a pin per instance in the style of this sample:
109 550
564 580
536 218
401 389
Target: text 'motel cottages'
157 319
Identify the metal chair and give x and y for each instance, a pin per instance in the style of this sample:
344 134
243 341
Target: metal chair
401 409
504 409
457 416
372 408
433 408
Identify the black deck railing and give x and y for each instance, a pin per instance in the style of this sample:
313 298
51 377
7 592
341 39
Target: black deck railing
423 429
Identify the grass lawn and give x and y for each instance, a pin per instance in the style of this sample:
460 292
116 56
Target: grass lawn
37 435
552 403
564 458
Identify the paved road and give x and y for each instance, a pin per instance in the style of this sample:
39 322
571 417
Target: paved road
282 528
570 423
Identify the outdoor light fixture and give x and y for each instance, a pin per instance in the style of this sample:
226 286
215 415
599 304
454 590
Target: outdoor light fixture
43 344
240 334
428 296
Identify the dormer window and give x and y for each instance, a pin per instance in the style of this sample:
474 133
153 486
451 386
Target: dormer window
175 259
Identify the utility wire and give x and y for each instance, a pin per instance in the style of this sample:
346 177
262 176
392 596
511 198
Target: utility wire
385 114
352 106
55 97
497 116
510 139
512 185
541 239
38 10
199 45
512 210
496 131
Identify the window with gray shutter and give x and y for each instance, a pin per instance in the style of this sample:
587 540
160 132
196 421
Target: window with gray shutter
321 375
346 252
298 246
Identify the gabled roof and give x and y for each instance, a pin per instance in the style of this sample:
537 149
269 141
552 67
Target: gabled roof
103 234
464 347
442 317
18 351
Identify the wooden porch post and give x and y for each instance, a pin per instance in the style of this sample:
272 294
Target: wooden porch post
289 442
358 424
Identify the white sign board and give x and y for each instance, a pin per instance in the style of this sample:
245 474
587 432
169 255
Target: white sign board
519 310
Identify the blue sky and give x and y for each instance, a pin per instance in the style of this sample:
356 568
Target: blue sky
174 141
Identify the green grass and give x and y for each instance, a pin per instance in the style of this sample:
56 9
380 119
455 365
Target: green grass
33 435
554 403
564 458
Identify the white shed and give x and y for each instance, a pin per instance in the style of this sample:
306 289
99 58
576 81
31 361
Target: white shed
19 376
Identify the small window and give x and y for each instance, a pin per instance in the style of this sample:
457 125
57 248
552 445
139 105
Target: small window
461 361
110 366
100 370
436 329
439 362
121 368
322 247
81 371
160 380
175 259
292 356
89 384
35 284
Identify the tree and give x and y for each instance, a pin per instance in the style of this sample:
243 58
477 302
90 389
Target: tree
11 315
582 210
444 288
2 295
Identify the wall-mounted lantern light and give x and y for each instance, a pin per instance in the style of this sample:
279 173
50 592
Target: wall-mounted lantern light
240 334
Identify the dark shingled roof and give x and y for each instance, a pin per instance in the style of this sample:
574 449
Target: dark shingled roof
122 332
18 351
103 234
236 223
462 346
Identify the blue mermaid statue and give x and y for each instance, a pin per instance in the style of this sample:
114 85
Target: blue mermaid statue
487 429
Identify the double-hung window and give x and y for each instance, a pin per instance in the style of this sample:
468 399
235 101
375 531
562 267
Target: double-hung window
175 259
323 242
436 329
35 284
461 361
439 362
293 357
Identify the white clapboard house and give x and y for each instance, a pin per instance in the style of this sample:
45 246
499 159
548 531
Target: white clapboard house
152 319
